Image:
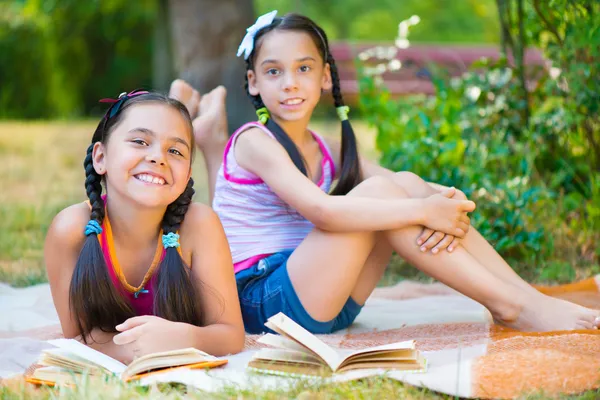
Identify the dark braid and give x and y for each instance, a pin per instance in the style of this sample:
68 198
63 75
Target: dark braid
93 187
350 174
91 275
173 285
256 100
177 209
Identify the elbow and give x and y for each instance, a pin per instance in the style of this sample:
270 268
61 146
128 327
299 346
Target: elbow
323 216
234 343
238 341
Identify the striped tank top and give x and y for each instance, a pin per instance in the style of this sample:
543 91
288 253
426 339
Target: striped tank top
257 222
141 297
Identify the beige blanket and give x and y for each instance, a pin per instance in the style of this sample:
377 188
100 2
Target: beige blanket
468 356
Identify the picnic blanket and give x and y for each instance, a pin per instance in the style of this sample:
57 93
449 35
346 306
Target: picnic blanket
468 355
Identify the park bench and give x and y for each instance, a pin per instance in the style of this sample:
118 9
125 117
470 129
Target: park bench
415 61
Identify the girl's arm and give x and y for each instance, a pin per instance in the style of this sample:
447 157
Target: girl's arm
212 271
265 157
63 244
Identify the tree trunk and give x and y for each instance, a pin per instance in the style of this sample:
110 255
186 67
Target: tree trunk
521 62
206 35
162 54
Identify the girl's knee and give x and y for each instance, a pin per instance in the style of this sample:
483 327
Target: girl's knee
414 185
410 178
379 186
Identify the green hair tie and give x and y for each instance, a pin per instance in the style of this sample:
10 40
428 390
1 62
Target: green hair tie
263 115
342 112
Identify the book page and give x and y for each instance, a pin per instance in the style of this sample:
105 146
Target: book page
57 357
283 342
301 335
55 376
287 356
407 345
165 359
83 351
173 354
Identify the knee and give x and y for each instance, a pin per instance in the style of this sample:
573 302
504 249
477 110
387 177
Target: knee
409 178
414 185
379 186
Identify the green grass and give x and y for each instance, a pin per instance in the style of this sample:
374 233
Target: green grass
42 173
115 389
371 388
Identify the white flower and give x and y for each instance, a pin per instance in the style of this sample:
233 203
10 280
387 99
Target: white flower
247 44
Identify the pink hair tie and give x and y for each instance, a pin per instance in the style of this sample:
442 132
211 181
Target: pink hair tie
118 102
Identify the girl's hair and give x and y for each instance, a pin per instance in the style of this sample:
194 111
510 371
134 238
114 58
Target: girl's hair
351 174
94 300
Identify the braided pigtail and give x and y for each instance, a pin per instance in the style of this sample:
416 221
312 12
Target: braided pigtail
350 175
91 291
175 297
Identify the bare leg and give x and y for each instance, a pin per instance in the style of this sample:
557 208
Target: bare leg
373 270
210 125
338 259
210 132
473 242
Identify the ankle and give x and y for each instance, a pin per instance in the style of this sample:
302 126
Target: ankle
507 312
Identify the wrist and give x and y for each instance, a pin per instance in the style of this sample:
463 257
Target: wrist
421 212
190 335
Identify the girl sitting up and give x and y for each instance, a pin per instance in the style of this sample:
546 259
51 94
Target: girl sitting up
315 251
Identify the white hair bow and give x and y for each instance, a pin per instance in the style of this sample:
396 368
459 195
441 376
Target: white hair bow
247 44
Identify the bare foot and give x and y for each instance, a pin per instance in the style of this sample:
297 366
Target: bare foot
186 94
210 126
542 313
208 113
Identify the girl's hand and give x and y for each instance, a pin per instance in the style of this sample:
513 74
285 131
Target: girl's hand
437 241
149 334
448 216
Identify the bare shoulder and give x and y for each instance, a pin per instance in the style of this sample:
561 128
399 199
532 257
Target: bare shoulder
257 152
68 226
202 236
65 236
199 219
253 138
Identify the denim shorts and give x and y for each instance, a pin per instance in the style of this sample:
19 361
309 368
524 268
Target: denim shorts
265 289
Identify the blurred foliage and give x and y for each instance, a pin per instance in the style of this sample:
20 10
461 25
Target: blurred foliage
536 182
57 58
448 21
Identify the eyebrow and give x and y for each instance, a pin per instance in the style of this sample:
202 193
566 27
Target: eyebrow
308 58
150 132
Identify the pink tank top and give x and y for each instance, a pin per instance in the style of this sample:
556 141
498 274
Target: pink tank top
141 297
256 221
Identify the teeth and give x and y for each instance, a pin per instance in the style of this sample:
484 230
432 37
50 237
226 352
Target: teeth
151 179
293 101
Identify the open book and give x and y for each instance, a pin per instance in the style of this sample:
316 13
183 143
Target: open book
70 359
298 352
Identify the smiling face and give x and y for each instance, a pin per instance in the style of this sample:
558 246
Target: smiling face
289 74
148 155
